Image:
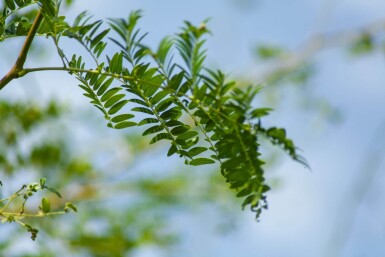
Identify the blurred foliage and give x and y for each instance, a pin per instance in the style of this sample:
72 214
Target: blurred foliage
266 52
116 216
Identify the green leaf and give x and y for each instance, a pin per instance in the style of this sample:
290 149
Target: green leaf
147 121
244 192
110 102
48 7
99 37
142 109
160 136
53 190
163 49
105 86
201 161
173 149
125 124
11 4
42 182
116 63
187 135
141 102
180 130
158 97
164 104
176 80
122 117
153 129
70 206
260 112
114 109
195 151
173 123
109 94
172 114
45 205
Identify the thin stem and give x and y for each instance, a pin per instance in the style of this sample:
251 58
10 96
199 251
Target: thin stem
118 76
17 68
35 215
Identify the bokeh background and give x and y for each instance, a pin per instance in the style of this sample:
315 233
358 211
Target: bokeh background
321 64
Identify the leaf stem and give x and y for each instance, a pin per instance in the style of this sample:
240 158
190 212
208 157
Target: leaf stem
17 69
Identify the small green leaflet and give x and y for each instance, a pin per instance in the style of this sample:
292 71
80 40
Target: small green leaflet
201 161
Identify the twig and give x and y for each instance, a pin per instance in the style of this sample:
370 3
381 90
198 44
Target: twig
17 69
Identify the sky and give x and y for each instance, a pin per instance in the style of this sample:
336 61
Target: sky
343 193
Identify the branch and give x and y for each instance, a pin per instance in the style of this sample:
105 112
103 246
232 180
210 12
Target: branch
17 69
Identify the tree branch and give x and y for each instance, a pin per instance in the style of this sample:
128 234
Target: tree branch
17 69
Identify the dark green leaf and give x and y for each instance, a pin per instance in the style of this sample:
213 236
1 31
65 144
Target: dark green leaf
147 121
179 130
164 104
125 124
201 161
105 86
141 102
113 100
122 117
160 137
142 109
187 135
173 149
109 94
173 123
158 97
153 129
172 114
195 151
114 109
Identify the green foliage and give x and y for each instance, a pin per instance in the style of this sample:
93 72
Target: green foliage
18 200
266 52
204 117
363 45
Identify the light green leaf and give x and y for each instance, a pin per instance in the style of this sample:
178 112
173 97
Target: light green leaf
70 206
45 205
